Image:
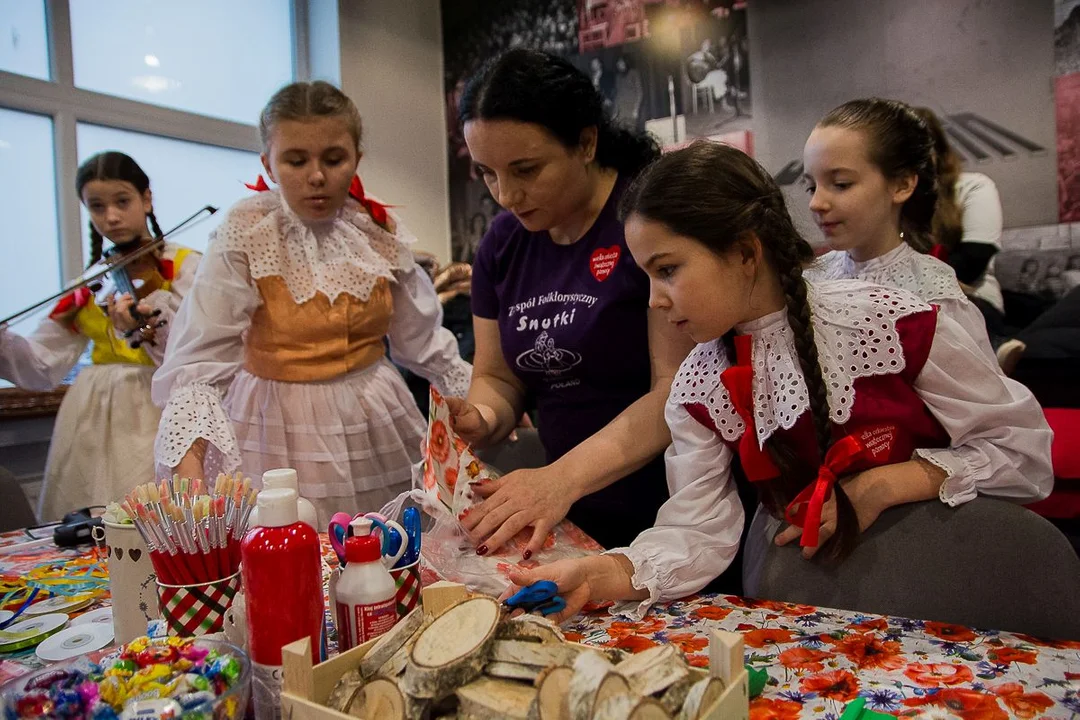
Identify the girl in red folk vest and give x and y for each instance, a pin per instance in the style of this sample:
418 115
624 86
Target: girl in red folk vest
837 399
103 440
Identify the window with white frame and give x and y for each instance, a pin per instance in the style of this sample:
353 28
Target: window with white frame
178 86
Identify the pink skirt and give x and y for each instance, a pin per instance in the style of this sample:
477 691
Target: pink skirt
352 440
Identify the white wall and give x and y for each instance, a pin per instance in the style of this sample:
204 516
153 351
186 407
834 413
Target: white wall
392 67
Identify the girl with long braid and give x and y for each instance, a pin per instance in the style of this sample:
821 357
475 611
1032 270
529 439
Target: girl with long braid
836 400
103 439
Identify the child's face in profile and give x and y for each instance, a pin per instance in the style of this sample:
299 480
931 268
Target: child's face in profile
702 293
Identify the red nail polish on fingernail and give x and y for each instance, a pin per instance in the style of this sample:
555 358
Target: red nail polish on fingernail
527 554
482 550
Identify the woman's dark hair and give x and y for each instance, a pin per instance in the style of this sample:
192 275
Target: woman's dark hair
112 165
721 197
534 87
949 218
900 143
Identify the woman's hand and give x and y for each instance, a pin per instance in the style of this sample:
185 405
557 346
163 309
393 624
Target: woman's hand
863 492
538 497
468 422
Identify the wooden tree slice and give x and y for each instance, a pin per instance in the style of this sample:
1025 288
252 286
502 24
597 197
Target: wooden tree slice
490 699
541 655
654 670
391 642
675 696
702 695
451 650
379 698
344 690
593 681
630 707
513 671
396 665
552 696
530 628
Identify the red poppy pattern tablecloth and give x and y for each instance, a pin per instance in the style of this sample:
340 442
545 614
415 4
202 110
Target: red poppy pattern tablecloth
817 659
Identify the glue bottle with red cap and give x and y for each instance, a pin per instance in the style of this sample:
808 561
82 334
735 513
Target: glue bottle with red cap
366 604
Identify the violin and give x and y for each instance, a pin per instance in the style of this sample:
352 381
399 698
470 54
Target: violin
137 278
129 268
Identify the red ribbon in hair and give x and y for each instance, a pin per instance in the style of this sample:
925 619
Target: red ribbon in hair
805 510
356 189
738 379
940 252
376 209
259 186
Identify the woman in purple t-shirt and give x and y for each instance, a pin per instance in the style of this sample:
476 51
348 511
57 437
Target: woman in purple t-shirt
561 312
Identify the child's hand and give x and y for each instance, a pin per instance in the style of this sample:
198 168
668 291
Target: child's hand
467 421
120 312
596 578
862 490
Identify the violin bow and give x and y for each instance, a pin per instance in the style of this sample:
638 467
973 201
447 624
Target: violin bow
103 268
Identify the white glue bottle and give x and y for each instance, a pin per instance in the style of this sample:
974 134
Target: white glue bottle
366 603
285 478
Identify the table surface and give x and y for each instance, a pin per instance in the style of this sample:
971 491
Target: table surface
817 659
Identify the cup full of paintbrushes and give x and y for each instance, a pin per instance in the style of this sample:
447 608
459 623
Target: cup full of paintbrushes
193 531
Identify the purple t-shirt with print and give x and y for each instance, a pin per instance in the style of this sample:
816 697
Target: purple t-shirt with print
574 329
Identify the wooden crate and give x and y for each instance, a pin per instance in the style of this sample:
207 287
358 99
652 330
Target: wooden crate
307 687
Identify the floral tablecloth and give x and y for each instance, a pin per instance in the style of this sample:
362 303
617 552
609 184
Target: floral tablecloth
817 659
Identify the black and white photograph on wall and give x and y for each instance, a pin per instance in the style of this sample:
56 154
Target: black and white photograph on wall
1066 36
678 69
473 31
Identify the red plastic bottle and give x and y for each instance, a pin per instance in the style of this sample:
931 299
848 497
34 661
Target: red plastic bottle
281 563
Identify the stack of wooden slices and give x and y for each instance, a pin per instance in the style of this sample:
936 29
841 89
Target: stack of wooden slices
470 661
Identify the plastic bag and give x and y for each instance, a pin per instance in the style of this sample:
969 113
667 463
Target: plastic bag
442 487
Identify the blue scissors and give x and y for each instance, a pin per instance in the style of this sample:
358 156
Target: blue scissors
542 597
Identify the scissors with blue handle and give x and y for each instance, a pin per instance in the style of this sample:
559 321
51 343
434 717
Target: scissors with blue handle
392 535
542 597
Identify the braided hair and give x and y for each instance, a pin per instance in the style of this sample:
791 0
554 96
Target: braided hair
719 196
900 142
112 165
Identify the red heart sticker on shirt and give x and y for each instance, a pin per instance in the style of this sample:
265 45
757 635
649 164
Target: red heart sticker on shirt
603 261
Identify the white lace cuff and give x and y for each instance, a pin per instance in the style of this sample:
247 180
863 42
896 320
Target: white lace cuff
964 469
194 412
455 380
645 577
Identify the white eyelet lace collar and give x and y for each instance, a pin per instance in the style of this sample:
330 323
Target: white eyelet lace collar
855 334
902 267
345 255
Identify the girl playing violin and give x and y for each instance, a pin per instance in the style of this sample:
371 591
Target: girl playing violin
103 440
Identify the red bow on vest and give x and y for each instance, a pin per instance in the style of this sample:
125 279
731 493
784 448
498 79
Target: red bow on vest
805 510
356 189
74 300
738 379
940 252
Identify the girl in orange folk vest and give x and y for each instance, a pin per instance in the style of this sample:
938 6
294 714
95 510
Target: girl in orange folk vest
278 357
102 444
